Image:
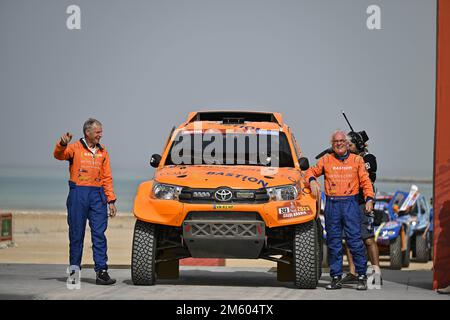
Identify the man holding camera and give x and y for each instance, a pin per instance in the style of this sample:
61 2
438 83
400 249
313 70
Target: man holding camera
344 173
357 145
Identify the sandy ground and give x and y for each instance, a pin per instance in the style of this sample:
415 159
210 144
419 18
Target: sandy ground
42 238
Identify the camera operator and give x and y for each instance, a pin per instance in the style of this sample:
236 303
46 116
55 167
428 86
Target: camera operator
358 146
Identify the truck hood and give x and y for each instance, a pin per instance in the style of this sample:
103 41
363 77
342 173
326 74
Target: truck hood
236 177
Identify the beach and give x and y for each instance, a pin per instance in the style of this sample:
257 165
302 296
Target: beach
37 197
41 237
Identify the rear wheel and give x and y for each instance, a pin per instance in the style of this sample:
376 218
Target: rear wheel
305 255
422 250
407 253
395 248
143 254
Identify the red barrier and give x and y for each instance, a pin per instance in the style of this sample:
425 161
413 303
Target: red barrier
202 262
441 260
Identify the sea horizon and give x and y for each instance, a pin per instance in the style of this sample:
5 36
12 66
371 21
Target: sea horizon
46 188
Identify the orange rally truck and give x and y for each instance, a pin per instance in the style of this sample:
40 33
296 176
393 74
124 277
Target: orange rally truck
229 184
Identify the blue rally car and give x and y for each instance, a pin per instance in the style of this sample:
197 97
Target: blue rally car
421 218
401 222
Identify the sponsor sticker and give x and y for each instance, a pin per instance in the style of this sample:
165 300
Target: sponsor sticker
239 176
268 132
292 210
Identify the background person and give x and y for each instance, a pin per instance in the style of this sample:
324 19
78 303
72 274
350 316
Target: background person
367 230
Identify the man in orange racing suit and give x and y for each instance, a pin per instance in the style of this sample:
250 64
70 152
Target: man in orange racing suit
344 174
91 188
357 146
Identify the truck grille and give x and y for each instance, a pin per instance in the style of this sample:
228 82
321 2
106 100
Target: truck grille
192 195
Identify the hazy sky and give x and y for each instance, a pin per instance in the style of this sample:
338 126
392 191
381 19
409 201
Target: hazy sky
141 66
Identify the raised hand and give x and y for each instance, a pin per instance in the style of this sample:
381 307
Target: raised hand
65 139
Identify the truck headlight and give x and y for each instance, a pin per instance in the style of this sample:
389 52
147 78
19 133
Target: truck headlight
283 193
166 192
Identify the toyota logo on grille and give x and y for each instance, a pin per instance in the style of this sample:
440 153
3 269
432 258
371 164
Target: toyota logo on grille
223 195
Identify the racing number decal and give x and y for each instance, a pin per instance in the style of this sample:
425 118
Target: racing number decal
292 210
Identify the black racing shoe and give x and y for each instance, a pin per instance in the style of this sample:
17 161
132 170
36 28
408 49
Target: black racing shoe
103 278
362 282
349 278
335 283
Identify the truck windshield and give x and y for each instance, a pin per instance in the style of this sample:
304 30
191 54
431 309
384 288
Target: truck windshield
264 148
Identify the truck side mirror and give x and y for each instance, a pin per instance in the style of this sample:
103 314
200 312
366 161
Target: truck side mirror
303 163
155 160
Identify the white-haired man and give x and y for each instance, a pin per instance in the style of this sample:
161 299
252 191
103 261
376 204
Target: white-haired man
344 174
91 189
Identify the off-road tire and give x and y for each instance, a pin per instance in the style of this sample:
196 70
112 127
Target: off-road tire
395 248
305 258
407 253
422 250
143 254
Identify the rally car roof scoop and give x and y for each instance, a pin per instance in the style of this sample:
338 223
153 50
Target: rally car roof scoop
235 117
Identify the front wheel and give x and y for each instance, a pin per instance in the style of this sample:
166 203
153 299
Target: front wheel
143 254
305 255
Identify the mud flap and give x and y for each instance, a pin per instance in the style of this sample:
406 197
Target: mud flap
168 269
285 272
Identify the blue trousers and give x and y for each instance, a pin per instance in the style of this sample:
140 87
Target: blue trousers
343 214
87 203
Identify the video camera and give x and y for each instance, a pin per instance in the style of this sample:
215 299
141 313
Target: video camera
358 138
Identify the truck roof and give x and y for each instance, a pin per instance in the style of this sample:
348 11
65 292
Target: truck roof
224 119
